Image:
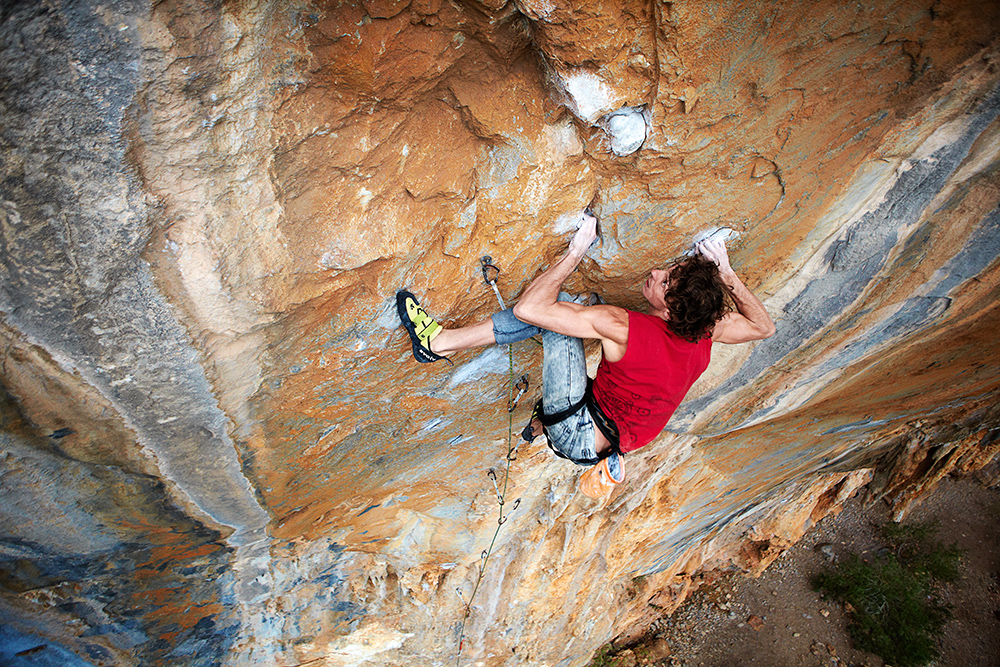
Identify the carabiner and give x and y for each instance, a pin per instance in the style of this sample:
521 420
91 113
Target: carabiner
487 265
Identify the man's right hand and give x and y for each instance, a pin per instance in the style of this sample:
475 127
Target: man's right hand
715 250
751 321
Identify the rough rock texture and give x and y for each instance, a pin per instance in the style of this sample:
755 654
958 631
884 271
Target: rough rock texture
216 448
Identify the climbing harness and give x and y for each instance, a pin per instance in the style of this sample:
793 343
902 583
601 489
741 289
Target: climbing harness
604 424
515 390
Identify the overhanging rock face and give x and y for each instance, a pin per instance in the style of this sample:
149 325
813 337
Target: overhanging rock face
216 446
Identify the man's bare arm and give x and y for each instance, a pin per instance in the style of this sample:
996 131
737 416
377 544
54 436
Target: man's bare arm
751 321
540 305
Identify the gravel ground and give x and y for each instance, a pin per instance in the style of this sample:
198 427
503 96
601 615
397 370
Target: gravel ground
779 621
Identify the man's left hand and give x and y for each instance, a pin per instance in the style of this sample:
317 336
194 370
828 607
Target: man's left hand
585 235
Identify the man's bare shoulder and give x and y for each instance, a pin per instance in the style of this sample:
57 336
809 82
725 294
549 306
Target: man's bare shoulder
609 321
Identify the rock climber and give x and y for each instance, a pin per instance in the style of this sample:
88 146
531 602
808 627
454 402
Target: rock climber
650 359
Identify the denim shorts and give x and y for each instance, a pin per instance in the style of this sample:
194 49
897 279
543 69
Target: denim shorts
564 382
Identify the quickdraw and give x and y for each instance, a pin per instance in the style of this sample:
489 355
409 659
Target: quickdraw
521 387
491 269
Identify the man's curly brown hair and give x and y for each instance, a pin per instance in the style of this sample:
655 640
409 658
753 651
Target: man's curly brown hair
696 298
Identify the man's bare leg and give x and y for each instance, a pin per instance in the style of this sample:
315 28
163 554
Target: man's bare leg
450 341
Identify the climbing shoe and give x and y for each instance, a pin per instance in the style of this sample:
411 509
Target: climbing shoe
419 325
601 478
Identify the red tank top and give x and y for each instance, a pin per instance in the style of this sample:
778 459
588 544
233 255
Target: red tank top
641 391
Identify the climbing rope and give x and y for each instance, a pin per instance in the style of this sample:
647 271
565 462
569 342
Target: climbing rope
490 275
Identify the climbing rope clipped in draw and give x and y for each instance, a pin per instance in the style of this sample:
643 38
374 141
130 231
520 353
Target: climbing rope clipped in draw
490 274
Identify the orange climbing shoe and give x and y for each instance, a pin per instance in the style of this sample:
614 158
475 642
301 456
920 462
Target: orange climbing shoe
598 481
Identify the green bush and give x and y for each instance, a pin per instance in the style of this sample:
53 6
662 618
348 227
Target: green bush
912 544
604 657
894 606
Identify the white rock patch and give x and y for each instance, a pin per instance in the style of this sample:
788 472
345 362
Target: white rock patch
589 96
626 128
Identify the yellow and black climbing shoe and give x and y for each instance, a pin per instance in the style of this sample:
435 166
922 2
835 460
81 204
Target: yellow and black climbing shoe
419 325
